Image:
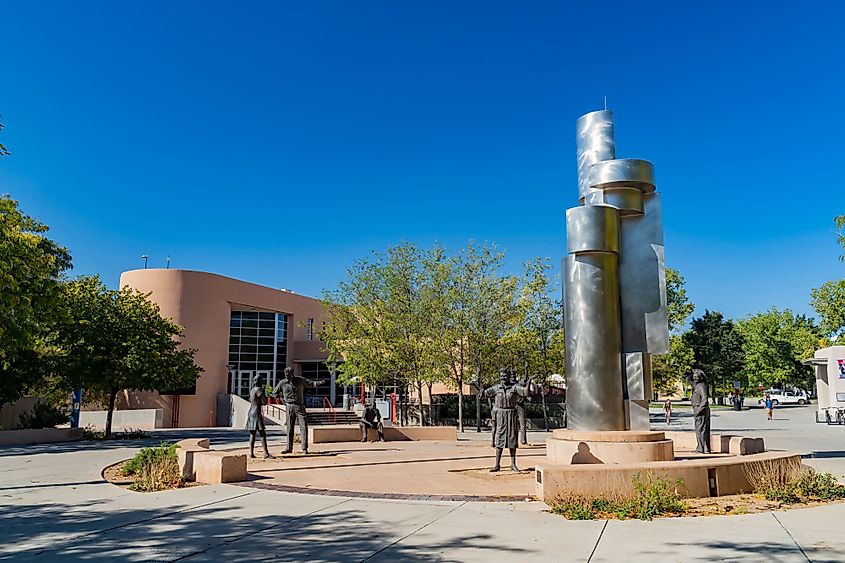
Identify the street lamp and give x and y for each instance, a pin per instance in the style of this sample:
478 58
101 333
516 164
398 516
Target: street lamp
145 257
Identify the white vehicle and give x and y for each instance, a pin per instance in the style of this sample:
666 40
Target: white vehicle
780 397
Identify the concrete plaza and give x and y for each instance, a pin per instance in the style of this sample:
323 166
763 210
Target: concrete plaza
54 505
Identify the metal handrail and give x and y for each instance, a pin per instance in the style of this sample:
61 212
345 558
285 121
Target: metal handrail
274 409
331 408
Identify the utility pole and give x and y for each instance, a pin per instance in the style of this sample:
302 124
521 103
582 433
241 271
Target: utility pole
145 257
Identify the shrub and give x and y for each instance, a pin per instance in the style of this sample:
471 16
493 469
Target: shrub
155 469
791 483
817 485
653 496
771 477
89 433
44 415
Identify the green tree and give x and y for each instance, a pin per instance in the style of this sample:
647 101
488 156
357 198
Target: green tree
115 340
535 345
829 302
678 305
717 348
31 268
840 233
670 369
775 343
379 322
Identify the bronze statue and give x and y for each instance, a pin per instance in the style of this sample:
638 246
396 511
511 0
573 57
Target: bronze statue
255 418
520 414
291 390
507 425
371 418
701 411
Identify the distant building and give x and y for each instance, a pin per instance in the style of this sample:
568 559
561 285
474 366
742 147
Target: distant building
239 330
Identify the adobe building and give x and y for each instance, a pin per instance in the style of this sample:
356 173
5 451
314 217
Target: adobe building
239 330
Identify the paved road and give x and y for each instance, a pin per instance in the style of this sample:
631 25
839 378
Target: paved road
54 505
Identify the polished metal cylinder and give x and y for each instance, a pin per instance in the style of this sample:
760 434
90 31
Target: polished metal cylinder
629 201
622 173
592 228
594 143
594 398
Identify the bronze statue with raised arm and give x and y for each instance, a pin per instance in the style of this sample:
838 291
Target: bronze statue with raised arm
291 389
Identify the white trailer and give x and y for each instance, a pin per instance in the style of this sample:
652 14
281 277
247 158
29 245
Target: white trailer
829 364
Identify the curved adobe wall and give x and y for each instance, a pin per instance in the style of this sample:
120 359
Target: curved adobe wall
201 303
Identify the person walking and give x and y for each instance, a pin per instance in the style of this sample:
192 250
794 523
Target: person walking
667 411
769 406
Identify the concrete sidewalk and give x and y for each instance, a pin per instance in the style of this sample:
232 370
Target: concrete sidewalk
54 505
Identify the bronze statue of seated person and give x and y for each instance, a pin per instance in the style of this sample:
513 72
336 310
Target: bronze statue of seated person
371 418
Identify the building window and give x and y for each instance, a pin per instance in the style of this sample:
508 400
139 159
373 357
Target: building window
257 346
309 329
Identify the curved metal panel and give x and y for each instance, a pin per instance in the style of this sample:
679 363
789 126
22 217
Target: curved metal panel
594 398
623 172
594 143
592 228
629 201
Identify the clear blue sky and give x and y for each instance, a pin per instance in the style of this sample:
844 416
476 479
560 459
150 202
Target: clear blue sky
276 142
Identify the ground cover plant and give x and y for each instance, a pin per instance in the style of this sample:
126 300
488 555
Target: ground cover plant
154 469
776 485
792 483
653 496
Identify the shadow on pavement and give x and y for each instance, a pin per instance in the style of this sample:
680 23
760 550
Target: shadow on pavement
217 533
217 437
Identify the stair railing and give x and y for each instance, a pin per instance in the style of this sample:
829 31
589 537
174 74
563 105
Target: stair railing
276 411
328 404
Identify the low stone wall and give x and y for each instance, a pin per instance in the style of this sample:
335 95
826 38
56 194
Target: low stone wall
331 434
39 436
728 474
719 443
124 420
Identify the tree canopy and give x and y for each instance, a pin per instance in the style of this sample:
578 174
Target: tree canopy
829 302
31 269
114 340
775 342
717 348
414 317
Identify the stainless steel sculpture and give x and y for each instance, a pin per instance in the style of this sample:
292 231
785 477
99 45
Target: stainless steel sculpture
614 284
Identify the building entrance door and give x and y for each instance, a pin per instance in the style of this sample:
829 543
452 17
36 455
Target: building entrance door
269 377
241 382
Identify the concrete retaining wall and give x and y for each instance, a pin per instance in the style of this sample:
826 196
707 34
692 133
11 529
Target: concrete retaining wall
123 421
10 413
607 480
39 436
330 434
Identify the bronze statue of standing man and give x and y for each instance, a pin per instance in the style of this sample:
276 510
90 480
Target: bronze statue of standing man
292 391
701 411
506 434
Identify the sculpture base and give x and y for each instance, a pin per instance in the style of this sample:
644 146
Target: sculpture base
572 447
601 464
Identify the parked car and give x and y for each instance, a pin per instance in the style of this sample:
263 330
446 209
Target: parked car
780 397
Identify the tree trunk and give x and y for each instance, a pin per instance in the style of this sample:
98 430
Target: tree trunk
112 398
460 381
543 399
429 384
478 392
419 399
